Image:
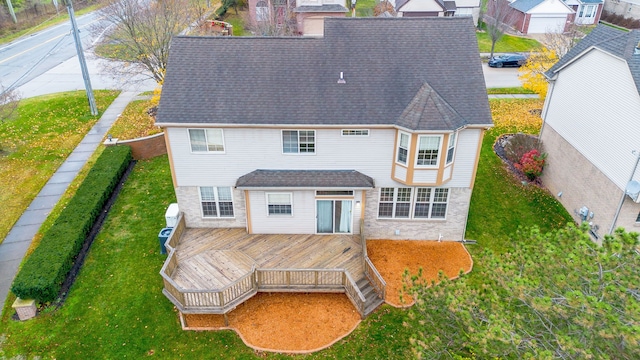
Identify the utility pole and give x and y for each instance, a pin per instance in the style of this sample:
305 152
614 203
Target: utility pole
83 63
13 13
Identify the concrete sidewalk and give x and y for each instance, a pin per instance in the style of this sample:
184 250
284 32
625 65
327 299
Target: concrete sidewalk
15 245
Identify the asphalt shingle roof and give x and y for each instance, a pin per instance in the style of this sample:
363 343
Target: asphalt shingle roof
615 41
386 63
305 178
525 5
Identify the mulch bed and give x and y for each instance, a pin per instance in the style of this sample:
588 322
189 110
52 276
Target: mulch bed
308 322
498 148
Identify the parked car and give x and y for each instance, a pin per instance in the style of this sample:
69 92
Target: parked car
505 60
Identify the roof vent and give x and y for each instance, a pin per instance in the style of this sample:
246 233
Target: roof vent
341 80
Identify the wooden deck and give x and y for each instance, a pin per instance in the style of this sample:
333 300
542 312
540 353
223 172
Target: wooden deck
210 259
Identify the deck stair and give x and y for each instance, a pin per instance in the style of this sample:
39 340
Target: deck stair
373 299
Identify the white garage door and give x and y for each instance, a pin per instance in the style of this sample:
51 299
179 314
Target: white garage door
313 26
546 24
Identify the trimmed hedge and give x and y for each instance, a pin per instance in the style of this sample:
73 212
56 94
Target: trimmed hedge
43 273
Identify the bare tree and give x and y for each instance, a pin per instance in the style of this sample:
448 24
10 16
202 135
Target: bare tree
499 17
9 100
275 18
142 30
562 41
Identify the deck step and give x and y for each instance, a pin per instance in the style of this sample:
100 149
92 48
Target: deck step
372 298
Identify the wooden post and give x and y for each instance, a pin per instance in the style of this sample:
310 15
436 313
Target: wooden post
226 320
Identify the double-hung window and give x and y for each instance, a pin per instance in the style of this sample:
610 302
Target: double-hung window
451 148
395 203
206 140
298 141
216 202
414 203
279 204
403 148
428 149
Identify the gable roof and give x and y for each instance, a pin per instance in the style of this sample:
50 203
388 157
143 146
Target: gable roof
526 5
293 81
620 43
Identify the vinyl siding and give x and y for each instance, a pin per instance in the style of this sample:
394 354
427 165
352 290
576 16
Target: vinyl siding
401 172
303 220
249 149
425 176
602 121
465 158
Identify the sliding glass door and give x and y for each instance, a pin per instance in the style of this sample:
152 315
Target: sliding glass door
333 216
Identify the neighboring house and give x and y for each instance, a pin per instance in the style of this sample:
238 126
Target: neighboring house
591 130
626 8
308 14
323 137
587 12
437 8
540 16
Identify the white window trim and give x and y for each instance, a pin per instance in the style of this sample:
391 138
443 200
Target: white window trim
217 201
412 204
438 159
449 146
266 200
315 143
397 152
342 132
224 145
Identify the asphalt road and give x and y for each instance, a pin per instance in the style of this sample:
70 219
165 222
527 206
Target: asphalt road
500 78
26 58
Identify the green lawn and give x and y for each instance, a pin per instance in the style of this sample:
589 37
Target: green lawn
34 145
507 43
116 308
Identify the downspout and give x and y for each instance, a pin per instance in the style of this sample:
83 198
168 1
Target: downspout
624 194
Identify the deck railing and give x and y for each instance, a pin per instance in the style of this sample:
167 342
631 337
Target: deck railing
310 279
376 279
176 234
211 301
369 269
354 294
223 300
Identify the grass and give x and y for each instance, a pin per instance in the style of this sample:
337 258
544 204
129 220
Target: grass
116 308
507 43
134 122
37 142
511 90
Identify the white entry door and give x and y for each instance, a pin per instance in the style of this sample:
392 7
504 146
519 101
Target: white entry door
333 216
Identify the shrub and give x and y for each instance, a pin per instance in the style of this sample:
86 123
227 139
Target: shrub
44 271
520 144
532 164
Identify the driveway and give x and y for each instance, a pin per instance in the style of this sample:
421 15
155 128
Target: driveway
500 78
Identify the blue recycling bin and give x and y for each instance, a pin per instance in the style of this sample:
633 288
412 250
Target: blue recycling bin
162 237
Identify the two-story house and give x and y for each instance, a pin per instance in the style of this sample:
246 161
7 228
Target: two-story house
324 138
422 8
308 15
591 130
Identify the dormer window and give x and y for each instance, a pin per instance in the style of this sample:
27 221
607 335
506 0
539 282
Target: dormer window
403 148
428 150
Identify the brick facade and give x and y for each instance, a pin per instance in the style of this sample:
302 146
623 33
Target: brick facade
582 184
189 200
452 228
